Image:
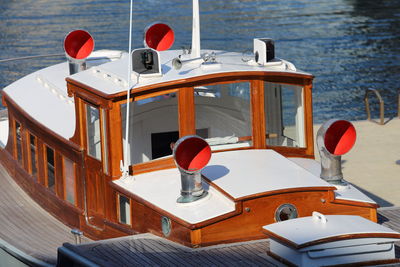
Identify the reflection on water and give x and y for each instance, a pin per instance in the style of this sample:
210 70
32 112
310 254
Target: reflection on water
349 45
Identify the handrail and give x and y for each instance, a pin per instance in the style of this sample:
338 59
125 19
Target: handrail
381 105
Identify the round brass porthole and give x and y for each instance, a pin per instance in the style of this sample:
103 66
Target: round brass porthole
165 226
285 212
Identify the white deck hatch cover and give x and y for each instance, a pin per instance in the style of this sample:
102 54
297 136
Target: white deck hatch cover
248 172
342 239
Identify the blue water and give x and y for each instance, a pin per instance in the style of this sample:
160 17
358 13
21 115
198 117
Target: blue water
349 45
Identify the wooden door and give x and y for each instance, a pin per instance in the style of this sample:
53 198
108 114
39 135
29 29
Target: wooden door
94 167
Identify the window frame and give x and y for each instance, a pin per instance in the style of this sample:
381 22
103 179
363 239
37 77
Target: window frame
185 92
36 155
46 171
118 195
74 166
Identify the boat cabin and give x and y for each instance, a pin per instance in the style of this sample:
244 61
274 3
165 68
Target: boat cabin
71 134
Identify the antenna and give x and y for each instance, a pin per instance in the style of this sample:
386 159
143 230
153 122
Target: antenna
196 30
124 164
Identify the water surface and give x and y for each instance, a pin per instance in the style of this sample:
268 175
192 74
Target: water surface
348 45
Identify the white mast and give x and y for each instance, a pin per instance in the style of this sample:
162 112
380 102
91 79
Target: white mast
124 164
196 30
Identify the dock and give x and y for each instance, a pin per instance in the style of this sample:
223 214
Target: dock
373 165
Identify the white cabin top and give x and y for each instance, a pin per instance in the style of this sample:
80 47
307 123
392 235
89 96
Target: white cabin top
244 173
43 94
111 78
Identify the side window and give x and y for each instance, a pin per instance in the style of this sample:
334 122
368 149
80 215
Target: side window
223 114
33 155
153 126
70 183
93 132
124 209
50 168
284 115
18 137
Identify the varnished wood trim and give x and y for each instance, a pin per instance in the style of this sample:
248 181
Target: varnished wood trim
115 146
294 245
87 92
286 191
119 189
139 97
258 114
186 107
154 165
308 120
355 203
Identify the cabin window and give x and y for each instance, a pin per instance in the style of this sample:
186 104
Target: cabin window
93 132
124 215
18 132
224 110
284 110
153 126
69 175
50 168
105 141
33 155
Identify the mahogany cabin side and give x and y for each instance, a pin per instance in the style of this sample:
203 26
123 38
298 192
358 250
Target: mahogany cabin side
73 179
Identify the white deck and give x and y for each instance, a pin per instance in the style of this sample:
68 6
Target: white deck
248 172
43 95
348 192
162 188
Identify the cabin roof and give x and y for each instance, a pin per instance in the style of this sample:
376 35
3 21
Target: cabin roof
233 172
43 94
111 78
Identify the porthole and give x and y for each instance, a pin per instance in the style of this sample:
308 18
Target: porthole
285 212
166 226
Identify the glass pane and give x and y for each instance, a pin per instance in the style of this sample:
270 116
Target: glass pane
124 210
153 127
93 132
19 141
284 112
50 168
32 142
69 174
223 115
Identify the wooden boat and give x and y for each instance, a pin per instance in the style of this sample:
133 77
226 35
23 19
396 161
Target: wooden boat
217 145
